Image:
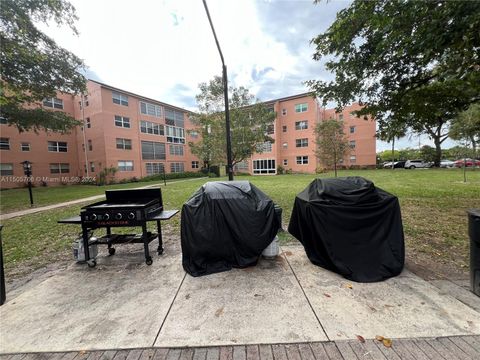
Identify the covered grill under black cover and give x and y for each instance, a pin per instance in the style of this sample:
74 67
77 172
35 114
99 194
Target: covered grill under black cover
349 226
226 225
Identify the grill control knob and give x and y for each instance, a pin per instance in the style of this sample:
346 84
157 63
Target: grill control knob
93 217
106 217
131 216
118 216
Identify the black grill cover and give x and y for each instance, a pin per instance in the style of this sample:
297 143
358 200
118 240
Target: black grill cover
226 225
349 226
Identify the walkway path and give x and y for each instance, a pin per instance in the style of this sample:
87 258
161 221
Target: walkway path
444 348
74 202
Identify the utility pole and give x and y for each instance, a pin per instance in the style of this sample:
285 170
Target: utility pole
225 92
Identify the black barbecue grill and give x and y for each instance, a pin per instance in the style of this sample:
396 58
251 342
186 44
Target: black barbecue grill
123 208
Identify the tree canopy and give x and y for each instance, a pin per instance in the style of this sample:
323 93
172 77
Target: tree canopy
409 62
250 123
332 143
33 66
466 126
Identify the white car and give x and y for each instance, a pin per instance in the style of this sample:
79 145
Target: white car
447 163
417 164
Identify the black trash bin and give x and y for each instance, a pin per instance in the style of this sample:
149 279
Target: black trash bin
474 233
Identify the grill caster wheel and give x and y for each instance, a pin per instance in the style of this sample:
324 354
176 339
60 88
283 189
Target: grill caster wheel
160 251
92 263
149 261
111 251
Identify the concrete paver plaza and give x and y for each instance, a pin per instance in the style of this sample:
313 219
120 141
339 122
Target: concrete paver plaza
125 304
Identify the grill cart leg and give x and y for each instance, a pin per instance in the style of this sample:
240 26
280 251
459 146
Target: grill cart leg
160 240
148 258
86 247
111 250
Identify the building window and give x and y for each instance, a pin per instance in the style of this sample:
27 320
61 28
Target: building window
264 147
92 166
176 149
4 144
53 103
352 144
119 99
3 121
59 168
6 169
150 109
174 118
90 145
264 166
155 168
299 108
194 134
285 162
25 146
284 112
352 129
340 117
89 125
125 165
124 144
302 160
175 135
285 145
195 165
284 128
242 165
301 142
353 158
176 167
57 146
153 150
301 125
122 121
148 127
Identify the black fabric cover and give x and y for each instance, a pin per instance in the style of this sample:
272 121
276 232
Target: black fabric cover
349 226
226 224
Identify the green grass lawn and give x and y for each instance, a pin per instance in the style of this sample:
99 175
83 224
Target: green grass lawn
18 199
433 202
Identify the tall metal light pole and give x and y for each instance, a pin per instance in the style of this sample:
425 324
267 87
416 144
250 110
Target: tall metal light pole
225 92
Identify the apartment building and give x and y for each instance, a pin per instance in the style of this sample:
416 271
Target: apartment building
295 140
134 134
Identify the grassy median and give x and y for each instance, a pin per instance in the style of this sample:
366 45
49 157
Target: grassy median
433 202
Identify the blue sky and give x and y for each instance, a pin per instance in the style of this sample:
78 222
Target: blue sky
164 49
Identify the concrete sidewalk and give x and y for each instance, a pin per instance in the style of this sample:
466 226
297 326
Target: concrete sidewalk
78 201
125 304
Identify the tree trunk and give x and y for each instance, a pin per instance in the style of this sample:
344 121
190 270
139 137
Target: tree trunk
438 150
393 153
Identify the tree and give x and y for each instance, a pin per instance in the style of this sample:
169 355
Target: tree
466 126
413 62
332 143
389 132
250 123
33 66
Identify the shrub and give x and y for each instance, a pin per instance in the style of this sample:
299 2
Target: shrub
280 170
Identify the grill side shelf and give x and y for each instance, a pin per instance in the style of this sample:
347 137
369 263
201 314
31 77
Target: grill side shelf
124 238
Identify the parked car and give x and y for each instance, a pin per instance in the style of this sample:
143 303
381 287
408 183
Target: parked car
396 165
467 162
416 164
447 163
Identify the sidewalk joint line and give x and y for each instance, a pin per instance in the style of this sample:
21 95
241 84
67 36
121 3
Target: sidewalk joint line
306 297
169 308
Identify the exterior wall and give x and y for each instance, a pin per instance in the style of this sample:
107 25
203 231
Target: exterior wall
99 108
38 154
285 146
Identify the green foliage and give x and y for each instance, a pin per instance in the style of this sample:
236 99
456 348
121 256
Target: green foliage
332 143
174 176
411 63
33 66
107 175
427 153
466 126
250 121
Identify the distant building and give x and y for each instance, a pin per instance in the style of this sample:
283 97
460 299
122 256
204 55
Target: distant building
140 136
137 135
295 140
